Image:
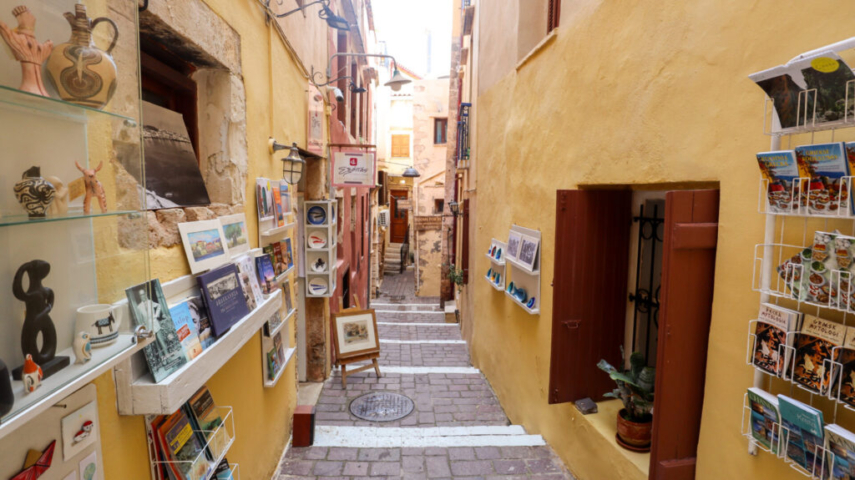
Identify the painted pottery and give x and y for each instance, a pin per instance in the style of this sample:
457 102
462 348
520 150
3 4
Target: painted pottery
27 50
317 215
318 286
31 374
34 193
82 347
7 396
101 321
94 189
81 72
633 435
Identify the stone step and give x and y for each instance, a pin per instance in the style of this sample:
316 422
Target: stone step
442 437
408 307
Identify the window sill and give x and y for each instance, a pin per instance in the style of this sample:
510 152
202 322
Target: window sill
547 40
604 423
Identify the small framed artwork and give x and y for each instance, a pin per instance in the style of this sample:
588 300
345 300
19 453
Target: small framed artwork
204 244
355 333
89 467
79 430
234 228
513 249
527 255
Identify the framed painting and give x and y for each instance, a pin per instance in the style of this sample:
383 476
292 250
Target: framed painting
513 249
234 228
355 333
204 244
527 255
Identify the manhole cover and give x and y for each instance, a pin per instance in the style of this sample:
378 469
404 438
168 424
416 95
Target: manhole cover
381 406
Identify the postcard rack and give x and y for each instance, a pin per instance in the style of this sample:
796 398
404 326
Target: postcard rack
268 347
806 121
496 275
320 223
201 466
522 279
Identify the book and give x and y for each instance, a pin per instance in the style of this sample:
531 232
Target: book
206 415
765 418
273 322
223 471
277 206
794 272
842 281
266 277
262 193
155 421
802 430
814 347
841 443
278 262
773 323
183 448
785 186
784 92
280 348
186 329
246 266
224 297
287 253
286 292
285 195
822 284
272 363
825 165
844 389
271 208
200 316
147 306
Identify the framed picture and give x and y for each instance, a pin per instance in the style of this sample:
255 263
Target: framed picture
234 228
527 255
204 244
79 430
513 249
355 333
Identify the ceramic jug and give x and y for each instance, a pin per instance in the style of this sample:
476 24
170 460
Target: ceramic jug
80 71
34 193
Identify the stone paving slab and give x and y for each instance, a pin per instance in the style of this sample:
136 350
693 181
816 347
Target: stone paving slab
424 354
419 332
409 317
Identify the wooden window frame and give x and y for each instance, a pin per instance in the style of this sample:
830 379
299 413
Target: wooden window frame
554 15
440 126
396 150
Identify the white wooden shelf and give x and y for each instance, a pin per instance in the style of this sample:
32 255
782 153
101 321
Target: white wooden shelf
142 396
289 354
500 287
523 269
520 277
276 231
284 274
283 323
533 311
493 259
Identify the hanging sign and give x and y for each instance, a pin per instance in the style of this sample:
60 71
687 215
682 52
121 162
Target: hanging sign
353 169
315 123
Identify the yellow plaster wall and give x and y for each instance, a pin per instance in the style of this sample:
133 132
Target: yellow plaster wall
275 105
633 93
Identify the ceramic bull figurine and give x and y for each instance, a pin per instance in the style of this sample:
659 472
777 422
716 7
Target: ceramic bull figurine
93 188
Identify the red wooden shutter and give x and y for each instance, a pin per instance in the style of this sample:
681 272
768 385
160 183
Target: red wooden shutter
554 15
464 255
589 298
688 267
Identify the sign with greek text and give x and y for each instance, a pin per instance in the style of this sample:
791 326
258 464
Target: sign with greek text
352 169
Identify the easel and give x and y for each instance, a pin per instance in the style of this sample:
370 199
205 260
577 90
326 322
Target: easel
343 363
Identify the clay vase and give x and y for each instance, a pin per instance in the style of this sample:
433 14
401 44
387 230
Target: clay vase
7 397
34 193
81 72
634 436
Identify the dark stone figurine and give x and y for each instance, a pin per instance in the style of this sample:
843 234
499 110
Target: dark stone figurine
39 302
7 397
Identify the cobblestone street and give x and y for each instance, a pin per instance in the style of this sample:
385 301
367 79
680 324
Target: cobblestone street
457 428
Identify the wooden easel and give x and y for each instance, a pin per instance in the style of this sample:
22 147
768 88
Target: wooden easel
368 356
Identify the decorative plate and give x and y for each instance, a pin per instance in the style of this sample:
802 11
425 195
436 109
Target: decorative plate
319 265
318 239
318 286
317 215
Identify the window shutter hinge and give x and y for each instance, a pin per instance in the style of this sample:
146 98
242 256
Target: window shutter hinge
572 324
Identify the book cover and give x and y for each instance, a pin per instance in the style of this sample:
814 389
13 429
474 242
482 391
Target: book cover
285 195
846 385
825 165
261 195
271 208
246 267
280 348
183 447
277 205
814 347
266 277
199 313
272 364
286 292
765 418
288 254
273 322
821 286
783 91
844 253
826 73
841 443
804 432
224 297
147 306
278 263
784 184
794 272
186 329
223 471
773 323
207 416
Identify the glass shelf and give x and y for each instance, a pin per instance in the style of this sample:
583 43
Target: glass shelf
24 219
53 106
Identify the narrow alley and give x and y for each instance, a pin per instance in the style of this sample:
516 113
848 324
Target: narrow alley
457 428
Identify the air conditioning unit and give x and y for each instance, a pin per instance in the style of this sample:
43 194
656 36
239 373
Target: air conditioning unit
383 218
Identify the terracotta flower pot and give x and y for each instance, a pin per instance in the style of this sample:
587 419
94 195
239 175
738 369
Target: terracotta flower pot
632 435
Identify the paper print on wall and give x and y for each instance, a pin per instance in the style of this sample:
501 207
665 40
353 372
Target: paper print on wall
79 430
234 228
89 467
514 239
528 252
204 244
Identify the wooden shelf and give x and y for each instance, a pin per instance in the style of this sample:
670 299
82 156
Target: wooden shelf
275 231
533 311
142 396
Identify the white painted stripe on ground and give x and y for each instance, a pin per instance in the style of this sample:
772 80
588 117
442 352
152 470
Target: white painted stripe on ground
421 370
406 304
414 432
368 440
409 311
437 324
413 342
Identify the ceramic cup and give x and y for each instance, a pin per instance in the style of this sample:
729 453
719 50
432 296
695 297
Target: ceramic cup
102 321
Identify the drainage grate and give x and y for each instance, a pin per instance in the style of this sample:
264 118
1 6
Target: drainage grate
381 406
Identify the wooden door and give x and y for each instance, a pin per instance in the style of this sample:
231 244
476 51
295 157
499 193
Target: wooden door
688 267
400 218
589 298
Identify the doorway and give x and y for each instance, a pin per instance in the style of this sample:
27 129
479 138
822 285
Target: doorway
399 231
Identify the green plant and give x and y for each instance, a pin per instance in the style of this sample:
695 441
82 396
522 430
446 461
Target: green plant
634 386
455 275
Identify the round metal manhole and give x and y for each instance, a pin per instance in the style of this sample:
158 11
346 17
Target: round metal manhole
381 406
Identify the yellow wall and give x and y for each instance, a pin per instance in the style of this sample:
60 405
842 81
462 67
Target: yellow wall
262 416
633 93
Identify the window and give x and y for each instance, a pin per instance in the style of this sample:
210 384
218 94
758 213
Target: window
438 205
440 131
553 15
166 83
401 146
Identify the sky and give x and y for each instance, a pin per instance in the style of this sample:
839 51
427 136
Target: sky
404 26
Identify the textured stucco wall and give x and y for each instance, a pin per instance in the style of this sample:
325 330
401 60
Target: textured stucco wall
634 93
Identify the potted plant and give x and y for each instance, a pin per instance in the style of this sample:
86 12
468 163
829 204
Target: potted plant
635 390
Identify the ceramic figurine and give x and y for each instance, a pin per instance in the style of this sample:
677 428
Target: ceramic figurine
511 288
499 254
59 206
27 50
39 301
34 193
81 72
93 188
530 303
84 432
7 396
31 374
490 273
82 348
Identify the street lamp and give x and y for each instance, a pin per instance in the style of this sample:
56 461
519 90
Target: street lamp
292 165
397 80
411 172
326 13
394 83
454 207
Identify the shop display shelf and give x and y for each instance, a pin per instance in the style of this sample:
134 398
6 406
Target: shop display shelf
500 287
24 219
282 276
219 442
523 269
289 354
806 117
282 324
533 311
493 259
53 106
142 396
278 230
